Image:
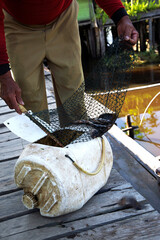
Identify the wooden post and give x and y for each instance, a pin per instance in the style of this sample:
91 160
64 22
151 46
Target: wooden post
93 33
137 27
97 32
157 34
129 125
91 42
150 34
102 40
153 33
142 35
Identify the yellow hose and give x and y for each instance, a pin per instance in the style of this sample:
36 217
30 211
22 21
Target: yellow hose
99 168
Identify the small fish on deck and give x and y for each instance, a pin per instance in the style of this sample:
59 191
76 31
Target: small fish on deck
129 201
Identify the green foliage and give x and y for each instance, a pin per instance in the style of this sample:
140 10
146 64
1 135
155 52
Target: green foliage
100 14
137 6
132 7
147 57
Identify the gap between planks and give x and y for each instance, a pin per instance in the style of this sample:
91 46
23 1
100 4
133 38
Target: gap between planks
65 229
98 211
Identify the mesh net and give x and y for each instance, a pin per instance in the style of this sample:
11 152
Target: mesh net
95 106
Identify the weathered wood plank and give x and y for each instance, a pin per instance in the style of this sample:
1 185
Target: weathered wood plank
3 129
145 226
7 176
12 145
150 33
142 35
10 155
11 206
5 109
104 206
10 114
11 149
144 157
115 180
11 203
66 229
7 116
7 136
2 103
135 173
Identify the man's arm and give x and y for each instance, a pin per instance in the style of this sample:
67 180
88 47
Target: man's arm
116 11
4 63
9 89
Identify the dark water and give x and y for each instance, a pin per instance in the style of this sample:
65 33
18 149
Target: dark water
147 74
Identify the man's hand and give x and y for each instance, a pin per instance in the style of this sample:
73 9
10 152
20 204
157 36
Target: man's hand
10 92
127 31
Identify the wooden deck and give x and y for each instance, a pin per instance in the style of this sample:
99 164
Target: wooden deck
101 218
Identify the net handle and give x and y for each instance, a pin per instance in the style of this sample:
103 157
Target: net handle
22 108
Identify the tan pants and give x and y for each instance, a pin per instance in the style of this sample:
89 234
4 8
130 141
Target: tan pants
59 43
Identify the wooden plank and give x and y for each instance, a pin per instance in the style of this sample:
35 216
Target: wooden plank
11 149
150 34
135 173
140 17
115 180
10 155
11 206
145 158
158 35
84 23
3 129
7 176
2 103
66 229
12 145
7 136
98 204
145 226
49 87
7 116
5 109
102 40
150 14
142 36
101 208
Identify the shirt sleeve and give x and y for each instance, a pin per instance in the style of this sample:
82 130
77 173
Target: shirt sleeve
4 63
114 9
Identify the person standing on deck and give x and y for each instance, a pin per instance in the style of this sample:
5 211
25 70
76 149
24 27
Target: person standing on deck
33 30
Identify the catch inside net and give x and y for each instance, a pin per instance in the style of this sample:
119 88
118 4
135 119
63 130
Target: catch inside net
94 107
